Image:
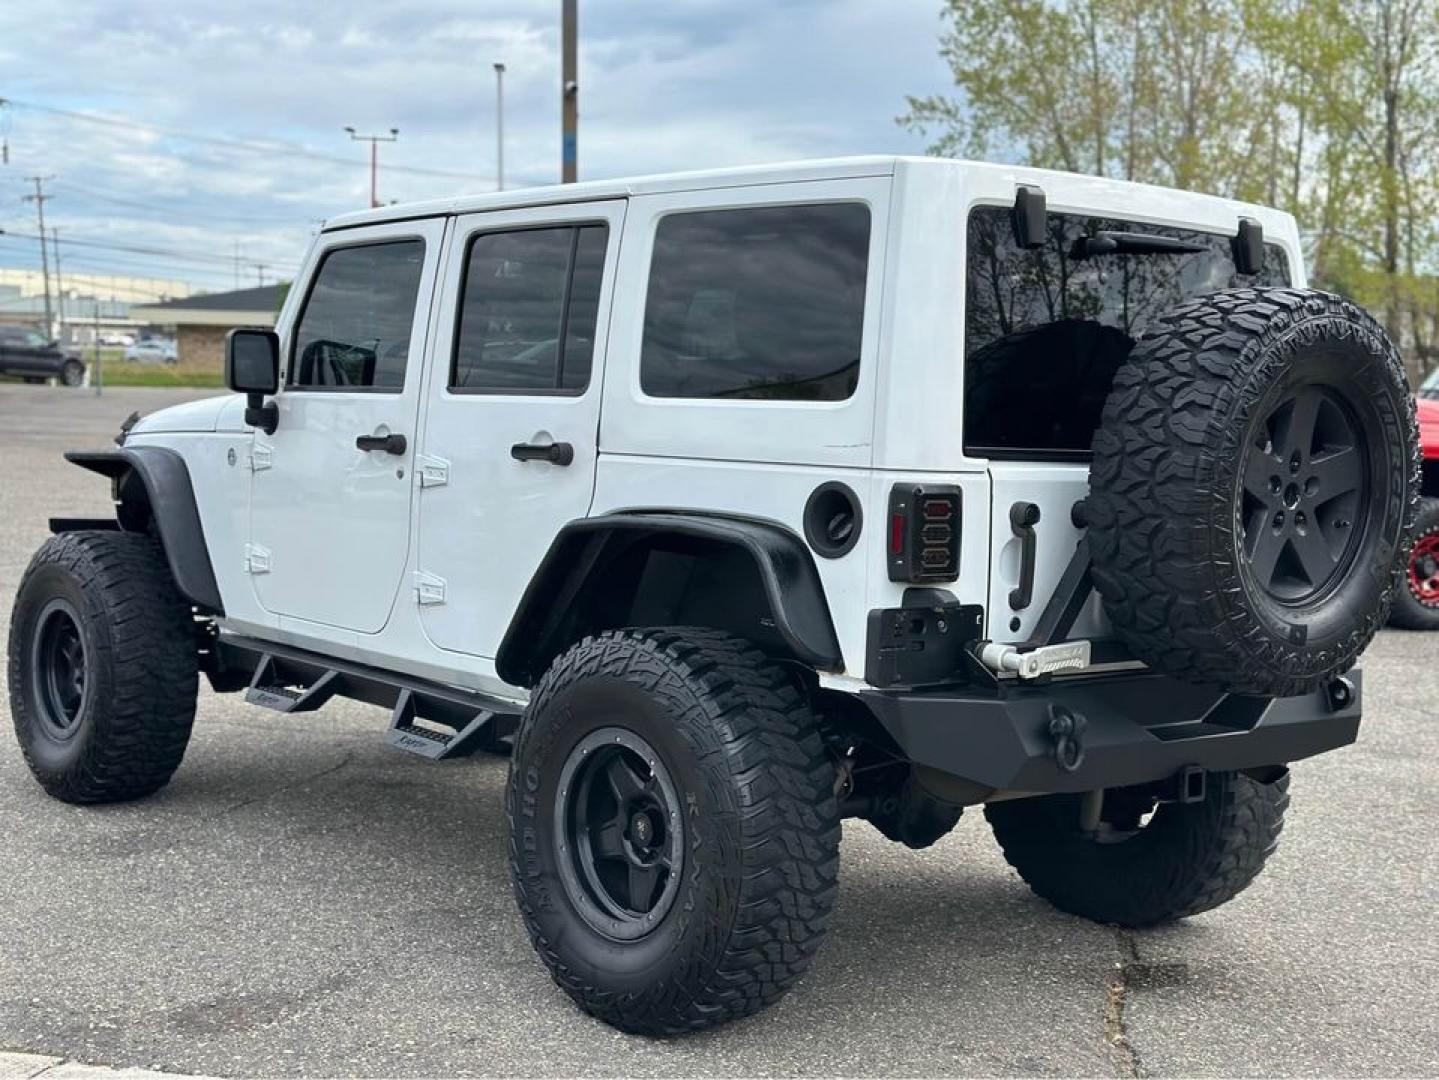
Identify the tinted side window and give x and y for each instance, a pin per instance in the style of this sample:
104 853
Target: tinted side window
528 308
757 303
1045 329
355 330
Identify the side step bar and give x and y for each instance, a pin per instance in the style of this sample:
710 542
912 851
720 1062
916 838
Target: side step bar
427 718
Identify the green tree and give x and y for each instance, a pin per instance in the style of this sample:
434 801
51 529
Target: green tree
1326 108
1154 92
1368 75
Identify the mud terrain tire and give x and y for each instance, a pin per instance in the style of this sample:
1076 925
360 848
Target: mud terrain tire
1416 607
102 669
1188 858
1255 475
716 734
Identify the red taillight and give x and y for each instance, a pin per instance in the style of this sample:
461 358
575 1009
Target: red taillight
924 532
896 533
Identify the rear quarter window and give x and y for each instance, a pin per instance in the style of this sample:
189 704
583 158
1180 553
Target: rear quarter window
1045 330
761 303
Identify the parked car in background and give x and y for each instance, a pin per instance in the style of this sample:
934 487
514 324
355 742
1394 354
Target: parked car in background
34 357
1417 608
1429 388
152 351
116 338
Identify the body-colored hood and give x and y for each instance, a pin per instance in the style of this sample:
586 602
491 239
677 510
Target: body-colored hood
223 413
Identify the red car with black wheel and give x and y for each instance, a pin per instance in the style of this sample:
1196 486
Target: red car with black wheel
1417 607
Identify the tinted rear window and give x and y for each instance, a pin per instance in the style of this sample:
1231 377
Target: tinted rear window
763 302
1045 332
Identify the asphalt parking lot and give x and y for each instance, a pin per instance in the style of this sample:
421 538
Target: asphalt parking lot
303 900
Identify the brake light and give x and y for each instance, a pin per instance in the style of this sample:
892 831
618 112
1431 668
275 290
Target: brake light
924 531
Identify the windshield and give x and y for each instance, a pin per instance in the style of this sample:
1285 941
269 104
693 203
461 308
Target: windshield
1046 328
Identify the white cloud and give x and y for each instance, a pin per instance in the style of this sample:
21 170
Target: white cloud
670 85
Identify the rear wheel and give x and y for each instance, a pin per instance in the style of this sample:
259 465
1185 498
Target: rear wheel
73 373
1145 863
102 667
674 832
1417 605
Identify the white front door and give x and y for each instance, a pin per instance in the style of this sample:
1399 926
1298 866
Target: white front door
512 410
332 488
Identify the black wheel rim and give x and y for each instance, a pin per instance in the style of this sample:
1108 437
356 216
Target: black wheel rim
59 670
620 836
1306 493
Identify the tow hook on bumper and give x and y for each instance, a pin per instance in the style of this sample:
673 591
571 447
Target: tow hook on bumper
1067 730
1108 731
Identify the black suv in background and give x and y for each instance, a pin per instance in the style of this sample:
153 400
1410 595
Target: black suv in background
31 355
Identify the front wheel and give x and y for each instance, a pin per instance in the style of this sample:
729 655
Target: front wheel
102 670
1416 607
1144 863
674 832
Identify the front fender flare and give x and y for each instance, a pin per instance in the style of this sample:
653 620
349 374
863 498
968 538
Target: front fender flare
171 497
583 548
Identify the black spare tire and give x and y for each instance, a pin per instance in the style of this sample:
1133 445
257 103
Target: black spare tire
1255 475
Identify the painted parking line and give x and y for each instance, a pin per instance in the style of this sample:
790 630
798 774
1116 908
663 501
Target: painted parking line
31 1066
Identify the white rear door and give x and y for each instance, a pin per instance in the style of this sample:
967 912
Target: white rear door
512 410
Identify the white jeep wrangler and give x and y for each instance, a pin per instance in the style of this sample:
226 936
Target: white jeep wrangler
751 500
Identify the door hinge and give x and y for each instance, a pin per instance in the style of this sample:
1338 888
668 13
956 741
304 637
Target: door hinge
434 471
429 589
259 457
257 559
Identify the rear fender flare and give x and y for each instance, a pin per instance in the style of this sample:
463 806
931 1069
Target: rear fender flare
544 623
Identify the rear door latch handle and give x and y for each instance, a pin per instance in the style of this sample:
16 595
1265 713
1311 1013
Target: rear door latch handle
1023 517
559 453
390 444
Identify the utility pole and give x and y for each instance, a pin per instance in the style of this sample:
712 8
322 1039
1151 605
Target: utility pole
39 199
237 264
59 283
499 126
570 91
374 141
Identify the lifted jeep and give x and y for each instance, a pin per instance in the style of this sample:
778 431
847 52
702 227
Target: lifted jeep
748 501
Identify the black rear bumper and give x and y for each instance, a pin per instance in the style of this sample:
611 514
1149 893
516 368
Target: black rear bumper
1127 729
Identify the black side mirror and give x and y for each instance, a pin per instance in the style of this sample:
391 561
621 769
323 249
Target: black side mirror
252 368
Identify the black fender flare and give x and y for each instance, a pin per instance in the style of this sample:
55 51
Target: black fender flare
587 547
167 487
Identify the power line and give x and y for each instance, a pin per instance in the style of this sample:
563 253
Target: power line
165 211
175 270
135 249
273 147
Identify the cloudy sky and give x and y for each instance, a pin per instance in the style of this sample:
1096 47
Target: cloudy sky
224 122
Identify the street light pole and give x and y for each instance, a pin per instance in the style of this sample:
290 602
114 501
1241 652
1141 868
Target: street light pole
374 141
499 126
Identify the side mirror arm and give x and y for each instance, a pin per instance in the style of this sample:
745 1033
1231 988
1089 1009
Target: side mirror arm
261 414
